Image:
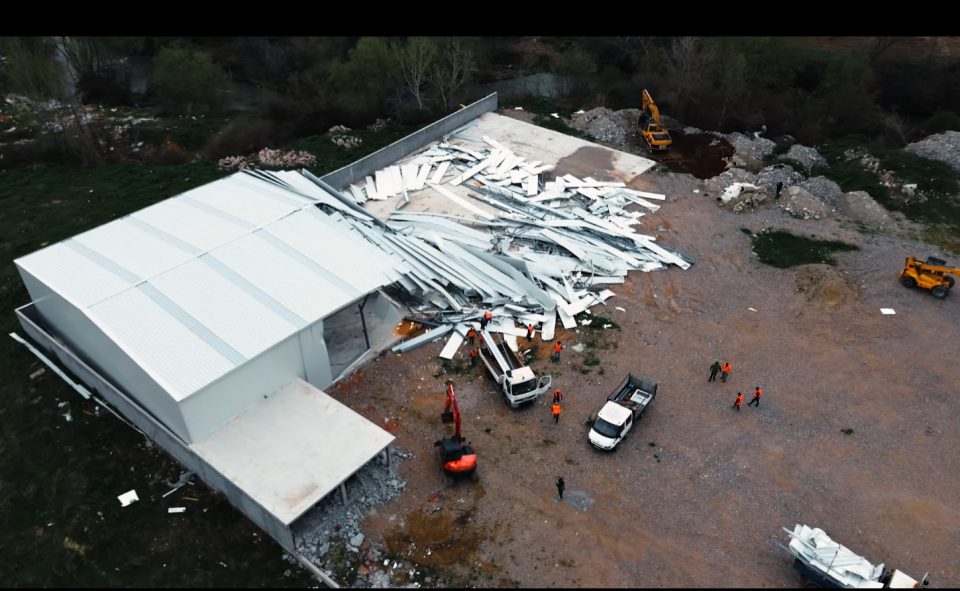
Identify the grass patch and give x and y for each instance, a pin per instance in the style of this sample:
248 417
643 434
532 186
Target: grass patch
782 249
547 442
585 370
847 431
567 562
795 164
590 361
330 156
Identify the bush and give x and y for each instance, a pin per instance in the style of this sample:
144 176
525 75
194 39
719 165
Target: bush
244 136
941 121
185 78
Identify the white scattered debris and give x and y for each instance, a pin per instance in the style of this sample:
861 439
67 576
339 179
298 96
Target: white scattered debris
752 309
734 190
887 311
550 249
176 509
696 190
554 115
38 373
68 417
579 112
518 108
128 498
621 309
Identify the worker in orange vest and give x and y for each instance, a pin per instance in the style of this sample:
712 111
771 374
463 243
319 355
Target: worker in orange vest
556 412
556 351
725 371
739 401
487 315
471 334
756 397
473 357
530 332
557 395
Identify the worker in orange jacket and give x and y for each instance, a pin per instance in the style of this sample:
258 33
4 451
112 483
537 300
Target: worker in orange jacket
487 315
473 357
471 335
739 401
530 332
725 371
556 350
557 395
556 412
756 397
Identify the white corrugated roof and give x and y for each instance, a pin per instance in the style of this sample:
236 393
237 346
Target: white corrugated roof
194 286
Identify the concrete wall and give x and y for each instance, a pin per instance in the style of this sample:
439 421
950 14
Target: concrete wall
400 148
153 428
207 409
77 331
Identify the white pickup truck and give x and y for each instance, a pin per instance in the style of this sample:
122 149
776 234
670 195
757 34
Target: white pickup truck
622 409
516 380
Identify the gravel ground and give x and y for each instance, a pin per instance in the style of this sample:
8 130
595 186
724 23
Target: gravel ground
697 493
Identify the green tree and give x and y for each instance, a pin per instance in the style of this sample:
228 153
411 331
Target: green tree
185 77
32 68
368 77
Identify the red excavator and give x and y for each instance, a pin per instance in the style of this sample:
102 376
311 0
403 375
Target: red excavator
458 459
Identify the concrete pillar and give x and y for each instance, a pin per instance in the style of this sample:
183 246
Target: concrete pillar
386 455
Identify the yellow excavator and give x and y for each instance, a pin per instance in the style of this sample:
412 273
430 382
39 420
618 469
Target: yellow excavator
932 274
654 135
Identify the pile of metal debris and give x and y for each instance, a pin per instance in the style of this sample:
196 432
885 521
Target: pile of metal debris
554 249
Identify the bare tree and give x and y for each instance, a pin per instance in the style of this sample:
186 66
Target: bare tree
452 69
687 67
416 60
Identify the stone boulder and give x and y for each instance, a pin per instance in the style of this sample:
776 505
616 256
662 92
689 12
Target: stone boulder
860 207
943 147
750 150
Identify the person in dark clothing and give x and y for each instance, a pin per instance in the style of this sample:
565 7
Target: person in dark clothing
557 395
756 397
779 188
739 401
714 370
560 486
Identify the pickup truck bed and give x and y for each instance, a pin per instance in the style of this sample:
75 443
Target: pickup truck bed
634 393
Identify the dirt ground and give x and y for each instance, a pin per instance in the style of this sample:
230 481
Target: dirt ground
697 494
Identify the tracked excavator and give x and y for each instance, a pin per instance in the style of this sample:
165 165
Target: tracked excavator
656 138
932 274
458 459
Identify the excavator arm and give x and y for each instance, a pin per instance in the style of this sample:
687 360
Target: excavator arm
654 135
649 105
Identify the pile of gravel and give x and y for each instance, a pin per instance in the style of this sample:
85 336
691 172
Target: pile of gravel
943 147
801 204
808 157
823 189
602 124
778 173
860 207
750 150
331 522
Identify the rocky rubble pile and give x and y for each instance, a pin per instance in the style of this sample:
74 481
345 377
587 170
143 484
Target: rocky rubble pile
750 150
943 147
612 127
331 523
801 204
861 208
823 189
808 157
